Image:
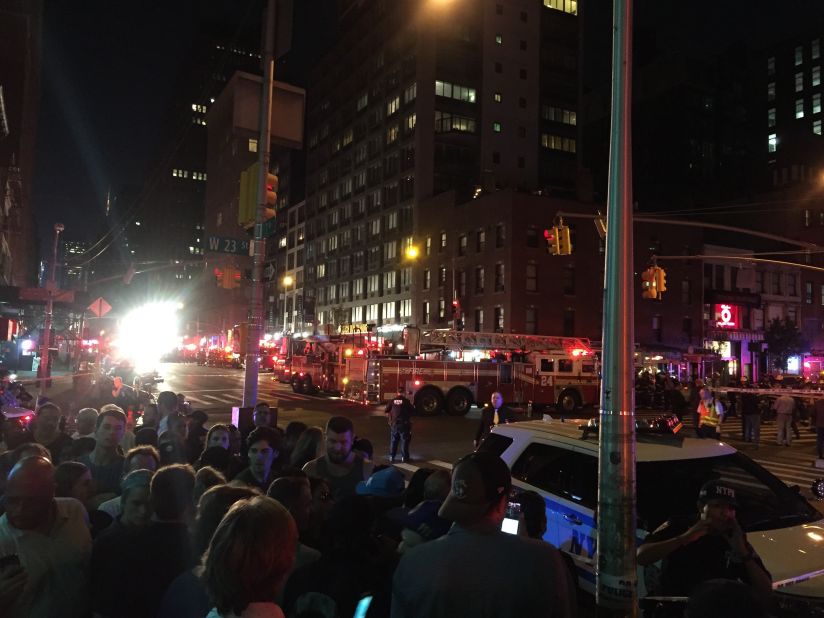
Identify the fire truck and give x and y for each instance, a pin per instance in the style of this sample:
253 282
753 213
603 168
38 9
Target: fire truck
452 370
319 362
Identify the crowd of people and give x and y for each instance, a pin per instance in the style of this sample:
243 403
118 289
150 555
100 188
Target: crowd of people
175 517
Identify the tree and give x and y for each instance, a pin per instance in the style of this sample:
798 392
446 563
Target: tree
783 341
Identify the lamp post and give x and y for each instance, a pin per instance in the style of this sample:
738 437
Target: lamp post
43 369
287 281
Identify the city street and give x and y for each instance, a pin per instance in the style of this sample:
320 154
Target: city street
439 440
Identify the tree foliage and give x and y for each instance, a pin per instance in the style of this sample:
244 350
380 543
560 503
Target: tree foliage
783 341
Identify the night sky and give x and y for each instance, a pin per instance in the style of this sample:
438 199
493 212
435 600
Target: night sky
109 68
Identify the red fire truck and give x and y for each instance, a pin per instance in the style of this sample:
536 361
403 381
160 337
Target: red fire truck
319 362
455 369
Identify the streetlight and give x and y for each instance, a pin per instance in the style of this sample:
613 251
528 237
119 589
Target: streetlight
43 369
412 252
287 281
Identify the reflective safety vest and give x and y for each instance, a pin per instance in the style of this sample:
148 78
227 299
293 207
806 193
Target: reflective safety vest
708 414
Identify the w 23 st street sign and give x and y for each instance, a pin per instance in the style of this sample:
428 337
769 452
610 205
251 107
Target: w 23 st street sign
238 246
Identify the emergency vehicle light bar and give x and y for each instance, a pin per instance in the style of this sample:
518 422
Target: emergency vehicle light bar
666 425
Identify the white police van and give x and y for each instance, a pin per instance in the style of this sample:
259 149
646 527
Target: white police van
560 461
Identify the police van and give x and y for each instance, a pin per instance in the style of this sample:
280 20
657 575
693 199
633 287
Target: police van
559 460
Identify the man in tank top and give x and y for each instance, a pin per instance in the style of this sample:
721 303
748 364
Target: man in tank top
341 467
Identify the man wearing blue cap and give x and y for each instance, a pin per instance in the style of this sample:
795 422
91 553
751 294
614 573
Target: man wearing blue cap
713 547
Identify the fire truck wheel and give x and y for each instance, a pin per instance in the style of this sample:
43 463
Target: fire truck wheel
428 401
307 388
569 401
458 402
296 386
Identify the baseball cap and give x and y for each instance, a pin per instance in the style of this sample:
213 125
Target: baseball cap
478 480
385 483
717 490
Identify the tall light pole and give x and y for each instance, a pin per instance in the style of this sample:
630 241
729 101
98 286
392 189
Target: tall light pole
43 370
616 580
252 352
287 281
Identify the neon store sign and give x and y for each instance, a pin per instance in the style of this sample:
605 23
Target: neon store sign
727 316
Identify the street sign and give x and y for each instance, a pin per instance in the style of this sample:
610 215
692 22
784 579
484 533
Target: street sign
238 246
100 307
42 294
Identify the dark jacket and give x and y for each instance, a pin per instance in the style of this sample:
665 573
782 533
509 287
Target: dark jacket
488 420
399 412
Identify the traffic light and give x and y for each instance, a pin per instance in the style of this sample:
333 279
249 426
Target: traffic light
552 243
271 196
230 278
660 280
456 309
247 201
564 240
649 283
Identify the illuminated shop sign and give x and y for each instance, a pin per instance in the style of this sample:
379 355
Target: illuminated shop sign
727 316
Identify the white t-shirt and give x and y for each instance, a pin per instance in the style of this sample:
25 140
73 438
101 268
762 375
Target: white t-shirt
56 563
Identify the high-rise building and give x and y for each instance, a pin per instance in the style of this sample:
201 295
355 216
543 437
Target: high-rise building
414 99
21 25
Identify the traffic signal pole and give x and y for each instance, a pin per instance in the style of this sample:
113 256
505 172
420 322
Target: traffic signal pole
616 581
252 358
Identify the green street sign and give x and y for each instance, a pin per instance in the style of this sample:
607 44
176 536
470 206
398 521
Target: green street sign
238 246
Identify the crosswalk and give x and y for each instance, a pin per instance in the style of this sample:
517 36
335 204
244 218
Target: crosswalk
233 397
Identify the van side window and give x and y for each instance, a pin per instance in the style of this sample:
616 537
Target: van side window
547 365
571 475
587 368
564 365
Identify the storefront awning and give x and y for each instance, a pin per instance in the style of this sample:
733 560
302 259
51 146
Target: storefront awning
735 335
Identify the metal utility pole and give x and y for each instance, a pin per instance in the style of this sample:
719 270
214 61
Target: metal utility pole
616 581
252 360
43 370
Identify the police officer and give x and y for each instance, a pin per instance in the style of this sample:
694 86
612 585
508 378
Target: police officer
399 414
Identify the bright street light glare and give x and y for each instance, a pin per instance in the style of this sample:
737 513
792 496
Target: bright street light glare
287 280
148 332
412 252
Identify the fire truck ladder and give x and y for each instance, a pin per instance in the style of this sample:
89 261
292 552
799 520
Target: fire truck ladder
460 340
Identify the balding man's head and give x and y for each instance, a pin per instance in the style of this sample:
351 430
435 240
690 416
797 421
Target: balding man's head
30 493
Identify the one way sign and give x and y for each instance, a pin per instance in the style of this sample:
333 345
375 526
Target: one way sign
238 246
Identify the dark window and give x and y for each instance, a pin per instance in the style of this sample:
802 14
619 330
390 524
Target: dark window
496 157
564 365
547 365
499 9
521 102
521 131
521 163
532 238
495 443
568 279
686 327
562 472
499 320
523 45
523 73
505 373
500 235
686 292
569 322
523 16
462 241
499 68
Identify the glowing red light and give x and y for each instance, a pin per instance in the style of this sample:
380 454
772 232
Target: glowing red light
417 382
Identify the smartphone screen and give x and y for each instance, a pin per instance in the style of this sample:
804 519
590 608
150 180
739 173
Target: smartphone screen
509 525
363 607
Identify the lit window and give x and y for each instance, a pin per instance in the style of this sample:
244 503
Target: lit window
816 103
799 82
557 142
496 126
817 127
567 6
799 55
497 97
815 49
799 108
772 142
410 121
499 39
392 134
771 117
253 144
393 106
771 91
454 91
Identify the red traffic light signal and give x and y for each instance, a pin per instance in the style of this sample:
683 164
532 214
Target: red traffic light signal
553 241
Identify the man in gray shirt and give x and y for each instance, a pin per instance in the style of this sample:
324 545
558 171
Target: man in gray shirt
476 569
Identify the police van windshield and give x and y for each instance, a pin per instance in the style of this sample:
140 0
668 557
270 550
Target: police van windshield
669 489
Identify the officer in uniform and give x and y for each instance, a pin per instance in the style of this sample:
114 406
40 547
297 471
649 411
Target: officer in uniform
399 414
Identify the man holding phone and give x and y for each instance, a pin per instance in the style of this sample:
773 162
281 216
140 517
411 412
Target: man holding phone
476 569
45 547
713 547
